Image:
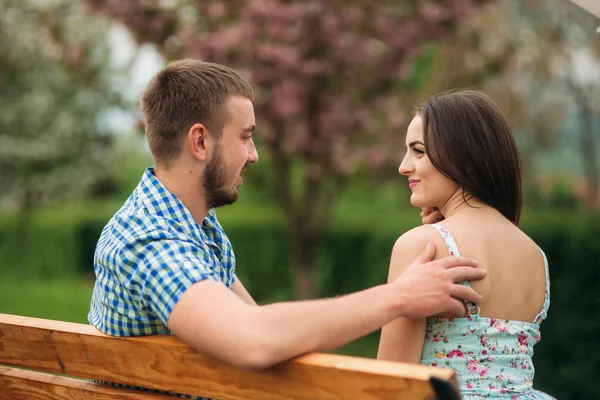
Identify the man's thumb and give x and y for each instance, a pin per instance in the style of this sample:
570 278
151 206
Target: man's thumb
427 254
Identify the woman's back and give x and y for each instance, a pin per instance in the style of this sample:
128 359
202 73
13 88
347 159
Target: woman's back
515 286
492 348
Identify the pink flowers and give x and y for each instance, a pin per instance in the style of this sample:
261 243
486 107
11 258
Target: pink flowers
475 367
456 353
484 339
522 349
523 339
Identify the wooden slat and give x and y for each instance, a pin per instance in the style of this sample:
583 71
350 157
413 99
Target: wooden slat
165 363
593 6
18 384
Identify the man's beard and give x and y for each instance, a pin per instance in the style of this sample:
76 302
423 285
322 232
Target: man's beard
215 182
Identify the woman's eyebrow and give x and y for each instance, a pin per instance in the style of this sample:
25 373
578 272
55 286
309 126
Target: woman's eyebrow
411 144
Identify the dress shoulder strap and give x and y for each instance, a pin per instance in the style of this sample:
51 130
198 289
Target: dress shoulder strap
474 310
448 239
544 311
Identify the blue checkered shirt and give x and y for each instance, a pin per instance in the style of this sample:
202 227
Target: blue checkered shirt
148 255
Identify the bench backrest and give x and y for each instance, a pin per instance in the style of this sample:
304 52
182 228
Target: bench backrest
166 363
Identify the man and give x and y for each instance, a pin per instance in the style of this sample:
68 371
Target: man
164 264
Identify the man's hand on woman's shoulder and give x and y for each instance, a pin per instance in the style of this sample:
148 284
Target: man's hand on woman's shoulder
431 287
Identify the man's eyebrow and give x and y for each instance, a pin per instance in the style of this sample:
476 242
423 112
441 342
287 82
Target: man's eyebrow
411 144
249 128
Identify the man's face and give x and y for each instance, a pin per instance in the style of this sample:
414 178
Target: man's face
231 154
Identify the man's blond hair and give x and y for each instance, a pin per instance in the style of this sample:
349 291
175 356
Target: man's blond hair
186 92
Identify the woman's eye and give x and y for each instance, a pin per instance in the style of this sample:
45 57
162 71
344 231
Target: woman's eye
418 151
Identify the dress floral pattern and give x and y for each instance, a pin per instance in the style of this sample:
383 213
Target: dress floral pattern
492 357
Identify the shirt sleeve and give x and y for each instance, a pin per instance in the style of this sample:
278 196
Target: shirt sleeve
166 269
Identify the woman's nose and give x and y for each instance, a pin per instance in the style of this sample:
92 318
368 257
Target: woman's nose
406 167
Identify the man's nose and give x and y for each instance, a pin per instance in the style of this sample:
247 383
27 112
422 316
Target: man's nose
253 153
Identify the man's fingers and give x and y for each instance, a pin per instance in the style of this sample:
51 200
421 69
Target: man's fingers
453 262
456 308
460 274
463 292
427 254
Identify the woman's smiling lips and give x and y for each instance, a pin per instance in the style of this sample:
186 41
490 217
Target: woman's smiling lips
413 182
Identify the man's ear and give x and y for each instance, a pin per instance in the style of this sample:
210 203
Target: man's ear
198 141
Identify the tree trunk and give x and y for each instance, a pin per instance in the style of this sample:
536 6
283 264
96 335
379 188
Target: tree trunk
588 151
303 248
305 222
304 275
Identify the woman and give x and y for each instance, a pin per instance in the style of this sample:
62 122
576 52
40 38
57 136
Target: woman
462 160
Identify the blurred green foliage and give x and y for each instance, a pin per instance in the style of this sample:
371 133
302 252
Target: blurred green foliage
63 299
354 256
55 86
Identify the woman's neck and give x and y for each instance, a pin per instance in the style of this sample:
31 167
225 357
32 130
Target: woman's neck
462 203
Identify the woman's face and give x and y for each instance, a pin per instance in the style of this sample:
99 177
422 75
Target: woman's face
430 188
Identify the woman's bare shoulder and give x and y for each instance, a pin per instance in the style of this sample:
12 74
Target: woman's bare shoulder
413 242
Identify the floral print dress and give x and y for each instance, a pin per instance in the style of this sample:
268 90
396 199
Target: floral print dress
492 357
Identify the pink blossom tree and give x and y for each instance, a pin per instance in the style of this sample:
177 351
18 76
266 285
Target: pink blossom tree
326 75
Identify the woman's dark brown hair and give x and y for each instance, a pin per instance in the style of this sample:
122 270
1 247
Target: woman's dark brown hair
468 140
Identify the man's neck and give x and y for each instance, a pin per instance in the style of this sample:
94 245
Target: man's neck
186 185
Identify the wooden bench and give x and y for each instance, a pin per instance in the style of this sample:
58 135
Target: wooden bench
45 359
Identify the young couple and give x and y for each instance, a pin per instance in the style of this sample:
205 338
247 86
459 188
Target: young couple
164 264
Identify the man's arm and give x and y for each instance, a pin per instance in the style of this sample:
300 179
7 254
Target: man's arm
240 290
215 321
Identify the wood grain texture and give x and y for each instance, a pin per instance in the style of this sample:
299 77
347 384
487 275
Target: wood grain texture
593 6
17 384
164 362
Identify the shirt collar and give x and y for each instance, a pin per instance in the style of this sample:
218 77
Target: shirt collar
160 201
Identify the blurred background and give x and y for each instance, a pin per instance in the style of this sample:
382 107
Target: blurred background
336 82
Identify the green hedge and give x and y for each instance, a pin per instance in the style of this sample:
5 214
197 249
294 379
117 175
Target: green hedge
55 243
355 255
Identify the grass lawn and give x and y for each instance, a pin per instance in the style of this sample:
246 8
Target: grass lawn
64 300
